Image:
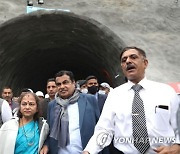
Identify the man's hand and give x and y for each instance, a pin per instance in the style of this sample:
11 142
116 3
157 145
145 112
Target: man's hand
85 152
44 150
174 149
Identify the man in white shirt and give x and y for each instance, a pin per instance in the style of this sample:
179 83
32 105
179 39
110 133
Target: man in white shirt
5 111
7 94
160 107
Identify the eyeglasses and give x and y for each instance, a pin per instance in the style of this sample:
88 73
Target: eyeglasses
65 83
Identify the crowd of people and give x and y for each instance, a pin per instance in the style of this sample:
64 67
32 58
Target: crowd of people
87 117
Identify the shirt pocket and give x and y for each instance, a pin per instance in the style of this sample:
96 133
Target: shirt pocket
161 119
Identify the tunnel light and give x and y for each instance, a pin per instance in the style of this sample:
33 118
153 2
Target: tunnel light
40 1
29 3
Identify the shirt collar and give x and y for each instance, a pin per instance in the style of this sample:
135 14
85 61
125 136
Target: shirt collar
143 83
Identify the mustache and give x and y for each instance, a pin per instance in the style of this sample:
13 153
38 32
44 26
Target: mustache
130 66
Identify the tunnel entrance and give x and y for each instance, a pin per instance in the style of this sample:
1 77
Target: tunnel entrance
35 46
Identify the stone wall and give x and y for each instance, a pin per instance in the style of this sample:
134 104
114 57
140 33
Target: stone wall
152 25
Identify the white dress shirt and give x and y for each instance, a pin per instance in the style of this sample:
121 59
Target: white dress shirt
6 112
75 146
116 118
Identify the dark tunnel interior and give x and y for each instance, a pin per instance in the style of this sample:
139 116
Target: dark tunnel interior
35 46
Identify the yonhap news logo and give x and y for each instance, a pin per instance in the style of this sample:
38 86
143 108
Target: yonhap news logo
102 138
140 140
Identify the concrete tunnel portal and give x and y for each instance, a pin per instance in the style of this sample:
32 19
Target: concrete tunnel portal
35 46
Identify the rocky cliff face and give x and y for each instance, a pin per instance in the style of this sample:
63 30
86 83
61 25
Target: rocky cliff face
151 25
